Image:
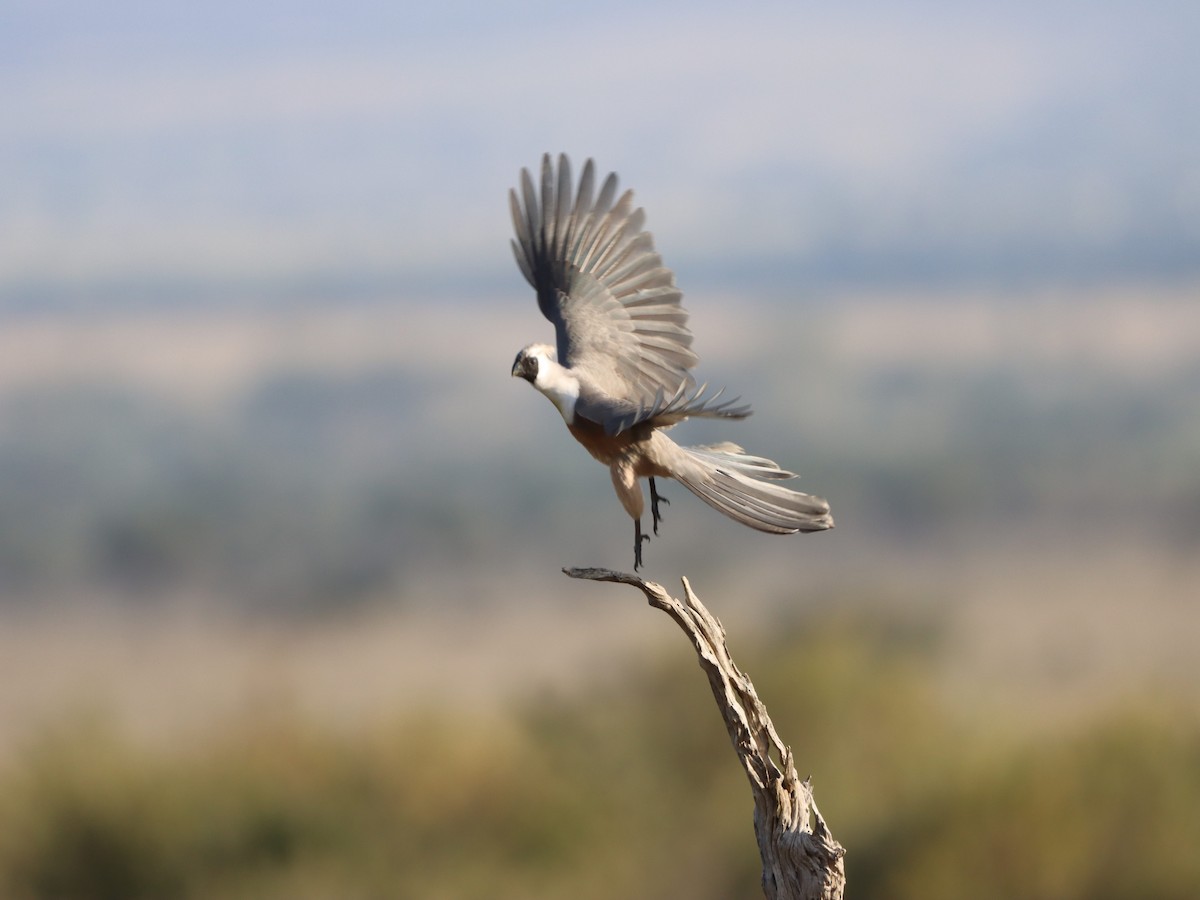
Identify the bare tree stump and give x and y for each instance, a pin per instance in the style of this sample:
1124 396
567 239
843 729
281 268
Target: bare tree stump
800 858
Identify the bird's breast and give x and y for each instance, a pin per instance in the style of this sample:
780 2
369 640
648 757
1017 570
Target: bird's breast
605 447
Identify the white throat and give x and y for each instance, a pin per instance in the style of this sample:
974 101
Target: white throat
557 383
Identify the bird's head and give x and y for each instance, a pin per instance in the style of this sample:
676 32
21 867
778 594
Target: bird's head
538 364
533 363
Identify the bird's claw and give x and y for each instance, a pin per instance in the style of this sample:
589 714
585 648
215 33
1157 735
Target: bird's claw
638 540
655 499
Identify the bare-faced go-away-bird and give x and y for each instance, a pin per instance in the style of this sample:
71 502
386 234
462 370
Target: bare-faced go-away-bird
620 367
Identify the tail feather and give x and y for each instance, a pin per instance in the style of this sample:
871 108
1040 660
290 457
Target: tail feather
732 456
728 479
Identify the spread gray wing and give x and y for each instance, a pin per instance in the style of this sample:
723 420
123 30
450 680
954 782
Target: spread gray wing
617 314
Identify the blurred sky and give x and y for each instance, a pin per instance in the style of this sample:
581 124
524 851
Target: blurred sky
177 150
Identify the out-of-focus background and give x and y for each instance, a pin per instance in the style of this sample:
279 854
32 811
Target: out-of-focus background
280 605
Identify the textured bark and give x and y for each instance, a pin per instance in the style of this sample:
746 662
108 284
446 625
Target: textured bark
801 860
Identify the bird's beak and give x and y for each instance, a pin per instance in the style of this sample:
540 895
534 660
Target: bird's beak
526 367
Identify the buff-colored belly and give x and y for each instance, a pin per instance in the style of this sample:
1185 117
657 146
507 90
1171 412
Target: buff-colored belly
604 447
634 450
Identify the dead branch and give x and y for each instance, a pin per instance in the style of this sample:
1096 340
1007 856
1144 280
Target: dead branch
801 860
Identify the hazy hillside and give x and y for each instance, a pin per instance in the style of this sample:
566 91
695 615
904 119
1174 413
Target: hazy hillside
292 460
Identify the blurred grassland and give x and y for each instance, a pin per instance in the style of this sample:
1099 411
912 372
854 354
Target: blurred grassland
301 460
622 788
324 649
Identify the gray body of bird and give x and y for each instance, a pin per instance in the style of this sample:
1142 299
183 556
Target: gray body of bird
619 372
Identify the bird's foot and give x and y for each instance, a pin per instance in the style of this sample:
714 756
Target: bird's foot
638 538
655 499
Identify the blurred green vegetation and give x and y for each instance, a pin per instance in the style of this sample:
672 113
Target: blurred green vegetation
626 788
307 491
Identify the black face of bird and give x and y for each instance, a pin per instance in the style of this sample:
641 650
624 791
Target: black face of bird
526 365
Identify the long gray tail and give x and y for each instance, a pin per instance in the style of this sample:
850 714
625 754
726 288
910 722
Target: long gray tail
741 486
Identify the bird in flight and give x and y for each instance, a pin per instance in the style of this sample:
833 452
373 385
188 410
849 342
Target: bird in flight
619 370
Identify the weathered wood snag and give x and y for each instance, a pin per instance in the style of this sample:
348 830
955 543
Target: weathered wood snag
800 858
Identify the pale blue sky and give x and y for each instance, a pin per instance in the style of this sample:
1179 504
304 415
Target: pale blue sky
270 146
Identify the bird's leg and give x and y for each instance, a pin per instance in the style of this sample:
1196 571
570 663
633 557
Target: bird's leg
655 499
638 537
